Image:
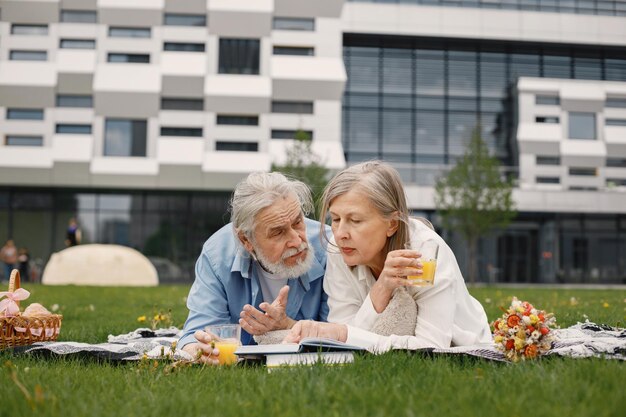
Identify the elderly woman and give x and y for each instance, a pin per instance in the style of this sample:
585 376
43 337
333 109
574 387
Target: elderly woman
370 299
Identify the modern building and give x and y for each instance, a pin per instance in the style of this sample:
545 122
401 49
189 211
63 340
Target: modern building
138 116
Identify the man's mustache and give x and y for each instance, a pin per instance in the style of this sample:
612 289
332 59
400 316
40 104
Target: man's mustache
294 251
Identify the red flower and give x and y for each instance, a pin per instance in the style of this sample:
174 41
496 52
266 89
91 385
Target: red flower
544 330
510 344
513 320
496 324
530 329
541 317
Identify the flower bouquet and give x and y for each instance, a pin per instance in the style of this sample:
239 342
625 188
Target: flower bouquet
523 332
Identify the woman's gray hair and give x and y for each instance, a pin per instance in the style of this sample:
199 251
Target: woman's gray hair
260 190
382 185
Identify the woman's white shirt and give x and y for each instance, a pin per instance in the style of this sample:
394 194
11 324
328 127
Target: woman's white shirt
447 314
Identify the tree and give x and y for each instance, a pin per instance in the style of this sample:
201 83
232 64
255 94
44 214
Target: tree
475 197
303 164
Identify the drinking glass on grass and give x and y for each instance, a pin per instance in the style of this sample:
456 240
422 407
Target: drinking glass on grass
228 340
429 251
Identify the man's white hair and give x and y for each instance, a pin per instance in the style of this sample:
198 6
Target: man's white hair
260 190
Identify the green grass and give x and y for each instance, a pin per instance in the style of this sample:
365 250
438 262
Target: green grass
394 384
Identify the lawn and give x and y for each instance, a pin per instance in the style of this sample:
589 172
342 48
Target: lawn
394 384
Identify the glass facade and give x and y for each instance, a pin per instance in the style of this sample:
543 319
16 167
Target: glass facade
551 248
599 7
415 101
168 227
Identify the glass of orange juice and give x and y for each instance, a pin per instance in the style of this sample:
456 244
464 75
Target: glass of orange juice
228 339
429 251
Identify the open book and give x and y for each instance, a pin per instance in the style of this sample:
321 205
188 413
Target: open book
308 344
311 358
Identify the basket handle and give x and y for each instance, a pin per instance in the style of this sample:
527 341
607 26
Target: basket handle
14 281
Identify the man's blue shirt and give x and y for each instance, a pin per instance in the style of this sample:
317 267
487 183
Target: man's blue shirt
226 281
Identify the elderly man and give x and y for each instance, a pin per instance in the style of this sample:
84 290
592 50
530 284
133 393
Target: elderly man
269 257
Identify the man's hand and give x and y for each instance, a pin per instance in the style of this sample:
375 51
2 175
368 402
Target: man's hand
273 316
309 328
203 350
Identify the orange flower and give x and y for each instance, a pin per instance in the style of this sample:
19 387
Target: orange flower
531 351
541 317
544 330
510 344
513 320
496 324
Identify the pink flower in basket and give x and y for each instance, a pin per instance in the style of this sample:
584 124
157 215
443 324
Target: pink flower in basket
8 306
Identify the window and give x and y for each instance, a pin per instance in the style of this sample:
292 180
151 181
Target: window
294 50
172 19
181 131
185 47
37 30
293 23
239 56
73 129
547 119
582 188
298 107
129 58
71 100
548 160
123 32
78 16
78 44
615 122
582 125
124 137
616 182
547 100
194 104
236 146
583 172
616 162
616 102
28 55
19 140
290 134
24 114
233 120
548 180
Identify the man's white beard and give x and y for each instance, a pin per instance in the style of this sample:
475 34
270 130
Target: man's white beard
283 271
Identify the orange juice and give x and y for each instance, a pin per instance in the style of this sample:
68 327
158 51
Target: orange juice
427 277
227 352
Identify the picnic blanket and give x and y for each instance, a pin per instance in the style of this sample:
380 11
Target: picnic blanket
582 340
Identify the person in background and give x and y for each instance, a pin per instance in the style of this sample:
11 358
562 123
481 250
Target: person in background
73 236
368 265
23 259
264 270
8 254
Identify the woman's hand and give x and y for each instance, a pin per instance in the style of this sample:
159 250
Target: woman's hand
309 328
398 265
203 349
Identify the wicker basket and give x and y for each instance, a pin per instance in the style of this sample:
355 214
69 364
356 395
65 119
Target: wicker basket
22 330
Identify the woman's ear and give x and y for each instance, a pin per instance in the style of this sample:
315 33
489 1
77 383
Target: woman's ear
394 223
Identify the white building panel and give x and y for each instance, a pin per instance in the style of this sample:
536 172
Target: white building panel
238 94
180 151
72 148
300 78
307 8
30 11
27 84
131 13
240 18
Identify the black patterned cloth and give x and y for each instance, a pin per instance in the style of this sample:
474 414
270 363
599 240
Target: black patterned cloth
583 340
